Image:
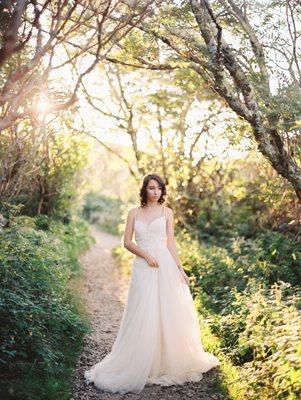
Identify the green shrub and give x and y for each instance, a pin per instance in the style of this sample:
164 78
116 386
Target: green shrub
248 289
216 269
272 333
40 326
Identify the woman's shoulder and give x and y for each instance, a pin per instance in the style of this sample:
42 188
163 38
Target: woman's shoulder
133 210
169 210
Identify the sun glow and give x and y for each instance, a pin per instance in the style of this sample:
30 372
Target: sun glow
43 104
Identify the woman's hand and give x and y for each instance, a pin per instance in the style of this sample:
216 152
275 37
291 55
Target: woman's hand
152 262
184 277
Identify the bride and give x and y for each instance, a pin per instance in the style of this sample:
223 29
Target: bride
158 341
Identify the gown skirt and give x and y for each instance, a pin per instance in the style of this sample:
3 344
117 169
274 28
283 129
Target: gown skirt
158 340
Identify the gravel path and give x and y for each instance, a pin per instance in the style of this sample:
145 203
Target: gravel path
105 292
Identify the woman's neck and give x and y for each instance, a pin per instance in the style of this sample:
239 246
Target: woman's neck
152 206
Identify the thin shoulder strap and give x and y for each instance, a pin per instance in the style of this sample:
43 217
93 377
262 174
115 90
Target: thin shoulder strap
164 211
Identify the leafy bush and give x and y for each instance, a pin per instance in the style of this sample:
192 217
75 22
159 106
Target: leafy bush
266 325
215 269
44 176
40 326
249 290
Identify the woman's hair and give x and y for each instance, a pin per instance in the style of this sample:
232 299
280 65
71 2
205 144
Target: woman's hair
143 193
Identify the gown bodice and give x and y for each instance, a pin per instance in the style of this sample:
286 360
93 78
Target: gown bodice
151 234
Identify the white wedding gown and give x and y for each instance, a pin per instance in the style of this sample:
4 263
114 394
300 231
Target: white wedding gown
158 341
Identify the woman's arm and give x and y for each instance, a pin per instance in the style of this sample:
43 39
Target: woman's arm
171 244
132 247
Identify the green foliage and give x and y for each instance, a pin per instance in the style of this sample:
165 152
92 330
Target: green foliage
124 259
8 211
253 199
102 211
248 290
42 176
41 328
269 257
261 332
60 176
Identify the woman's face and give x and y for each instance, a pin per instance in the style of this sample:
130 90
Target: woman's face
153 190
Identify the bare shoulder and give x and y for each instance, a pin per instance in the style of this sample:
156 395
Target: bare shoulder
169 211
132 211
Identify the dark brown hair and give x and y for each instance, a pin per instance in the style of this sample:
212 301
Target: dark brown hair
143 193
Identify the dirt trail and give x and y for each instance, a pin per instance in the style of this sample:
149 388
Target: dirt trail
105 292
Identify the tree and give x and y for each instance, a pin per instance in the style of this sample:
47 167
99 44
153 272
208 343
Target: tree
233 84
40 39
239 74
40 44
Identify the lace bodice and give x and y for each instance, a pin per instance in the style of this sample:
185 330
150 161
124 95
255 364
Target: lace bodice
152 233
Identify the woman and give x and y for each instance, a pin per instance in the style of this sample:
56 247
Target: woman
158 341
